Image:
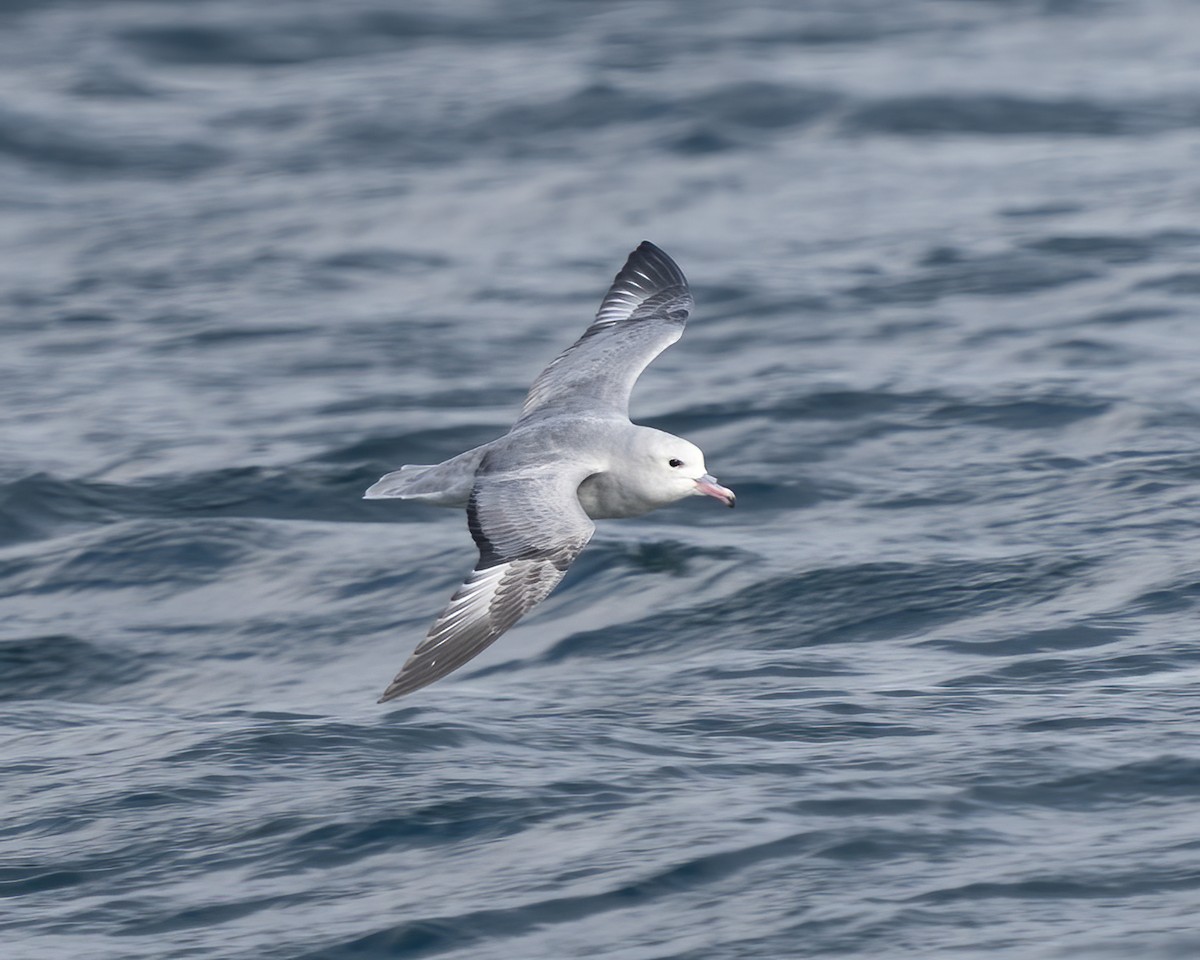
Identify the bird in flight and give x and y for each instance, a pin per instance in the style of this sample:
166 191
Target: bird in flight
572 457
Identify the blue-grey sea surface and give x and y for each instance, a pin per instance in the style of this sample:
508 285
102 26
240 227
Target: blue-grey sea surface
931 691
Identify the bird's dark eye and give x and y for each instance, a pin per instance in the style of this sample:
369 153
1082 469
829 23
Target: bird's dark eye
674 463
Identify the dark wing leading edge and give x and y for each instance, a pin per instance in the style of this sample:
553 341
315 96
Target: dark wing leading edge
528 529
643 313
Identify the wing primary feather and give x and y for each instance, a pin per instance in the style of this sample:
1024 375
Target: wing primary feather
660 273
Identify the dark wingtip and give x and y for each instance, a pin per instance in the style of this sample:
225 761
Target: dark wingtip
650 281
650 259
392 692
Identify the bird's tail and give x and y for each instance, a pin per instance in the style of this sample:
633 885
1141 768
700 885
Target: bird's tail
446 484
403 484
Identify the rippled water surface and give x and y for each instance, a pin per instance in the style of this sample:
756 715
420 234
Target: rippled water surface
930 691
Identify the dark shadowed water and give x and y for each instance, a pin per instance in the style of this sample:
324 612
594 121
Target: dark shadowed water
932 690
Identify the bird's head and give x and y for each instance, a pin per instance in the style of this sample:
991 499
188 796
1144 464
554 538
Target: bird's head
675 469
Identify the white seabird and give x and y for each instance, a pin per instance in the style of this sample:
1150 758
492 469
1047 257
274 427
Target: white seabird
572 457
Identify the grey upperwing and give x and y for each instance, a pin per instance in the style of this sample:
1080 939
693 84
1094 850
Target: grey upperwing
643 313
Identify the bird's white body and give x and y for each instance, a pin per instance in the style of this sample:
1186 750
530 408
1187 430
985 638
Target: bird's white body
627 477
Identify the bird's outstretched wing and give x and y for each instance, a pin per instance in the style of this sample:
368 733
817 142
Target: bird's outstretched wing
529 528
643 313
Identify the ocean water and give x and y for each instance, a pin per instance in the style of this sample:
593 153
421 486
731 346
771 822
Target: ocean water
932 690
